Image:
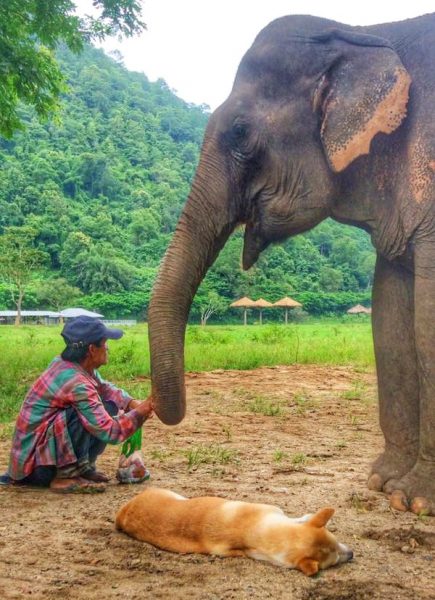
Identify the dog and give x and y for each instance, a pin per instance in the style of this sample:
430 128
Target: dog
212 525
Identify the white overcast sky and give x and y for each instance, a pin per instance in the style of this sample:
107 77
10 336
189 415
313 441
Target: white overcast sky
196 45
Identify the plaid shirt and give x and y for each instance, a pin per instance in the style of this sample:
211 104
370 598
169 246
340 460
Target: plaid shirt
41 436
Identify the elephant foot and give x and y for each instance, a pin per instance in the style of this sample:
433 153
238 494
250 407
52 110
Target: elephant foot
391 464
415 491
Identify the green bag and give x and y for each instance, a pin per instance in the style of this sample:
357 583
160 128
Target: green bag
131 468
133 443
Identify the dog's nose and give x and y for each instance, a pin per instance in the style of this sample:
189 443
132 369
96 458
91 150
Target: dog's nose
346 553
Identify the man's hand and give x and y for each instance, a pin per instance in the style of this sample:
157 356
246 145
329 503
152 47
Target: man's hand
133 404
145 408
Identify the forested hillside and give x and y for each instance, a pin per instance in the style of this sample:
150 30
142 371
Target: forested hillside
100 192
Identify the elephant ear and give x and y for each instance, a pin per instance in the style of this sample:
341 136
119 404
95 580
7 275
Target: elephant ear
364 92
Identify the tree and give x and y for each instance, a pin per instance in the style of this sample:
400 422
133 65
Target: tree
18 260
57 293
144 225
330 279
208 304
29 33
95 267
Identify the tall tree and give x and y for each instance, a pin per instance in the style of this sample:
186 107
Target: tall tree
57 293
18 260
29 32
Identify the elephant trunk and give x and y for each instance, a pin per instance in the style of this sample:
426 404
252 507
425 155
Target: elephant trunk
203 228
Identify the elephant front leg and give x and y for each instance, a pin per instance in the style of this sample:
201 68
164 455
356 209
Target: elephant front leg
416 489
396 363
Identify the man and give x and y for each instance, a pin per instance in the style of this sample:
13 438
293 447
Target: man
70 414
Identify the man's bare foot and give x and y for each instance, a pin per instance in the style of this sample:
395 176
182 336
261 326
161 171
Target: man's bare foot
75 485
95 476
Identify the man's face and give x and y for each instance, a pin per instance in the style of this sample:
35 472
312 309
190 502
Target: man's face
99 354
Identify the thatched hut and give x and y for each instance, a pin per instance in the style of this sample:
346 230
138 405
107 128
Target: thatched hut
359 309
244 303
288 304
261 303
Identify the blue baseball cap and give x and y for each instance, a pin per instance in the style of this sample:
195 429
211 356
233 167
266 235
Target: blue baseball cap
88 330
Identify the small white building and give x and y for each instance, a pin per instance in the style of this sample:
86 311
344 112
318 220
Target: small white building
44 317
41 317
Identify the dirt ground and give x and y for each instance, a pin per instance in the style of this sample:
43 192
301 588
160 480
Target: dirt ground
300 437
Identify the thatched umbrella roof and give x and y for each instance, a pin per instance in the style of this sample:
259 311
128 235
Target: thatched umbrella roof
261 303
287 303
244 302
359 309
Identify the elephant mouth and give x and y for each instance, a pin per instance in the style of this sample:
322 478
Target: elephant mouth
253 245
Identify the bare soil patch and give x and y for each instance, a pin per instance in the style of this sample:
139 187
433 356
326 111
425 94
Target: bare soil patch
300 437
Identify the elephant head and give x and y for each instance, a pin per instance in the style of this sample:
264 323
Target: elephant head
308 98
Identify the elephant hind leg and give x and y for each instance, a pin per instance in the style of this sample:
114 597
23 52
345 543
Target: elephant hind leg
396 362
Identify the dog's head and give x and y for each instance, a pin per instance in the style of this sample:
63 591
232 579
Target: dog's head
317 548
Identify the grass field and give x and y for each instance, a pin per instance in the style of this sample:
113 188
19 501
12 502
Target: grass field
26 351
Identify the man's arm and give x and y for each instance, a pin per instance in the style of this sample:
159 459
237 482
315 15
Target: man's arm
109 392
99 423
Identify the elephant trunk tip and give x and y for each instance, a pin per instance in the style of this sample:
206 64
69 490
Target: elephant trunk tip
172 419
169 414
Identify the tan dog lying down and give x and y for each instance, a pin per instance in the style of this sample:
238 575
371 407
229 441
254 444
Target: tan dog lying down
222 527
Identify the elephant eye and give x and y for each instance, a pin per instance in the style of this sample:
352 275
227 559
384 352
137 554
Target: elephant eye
241 140
240 130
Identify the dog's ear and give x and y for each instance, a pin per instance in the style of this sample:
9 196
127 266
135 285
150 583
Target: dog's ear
308 566
321 517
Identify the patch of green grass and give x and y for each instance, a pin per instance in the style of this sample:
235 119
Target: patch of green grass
212 393
139 390
264 406
6 431
279 456
160 454
423 516
209 455
357 392
302 403
228 432
354 421
299 459
356 501
320 342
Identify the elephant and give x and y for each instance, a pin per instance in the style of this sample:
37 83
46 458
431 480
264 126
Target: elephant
325 120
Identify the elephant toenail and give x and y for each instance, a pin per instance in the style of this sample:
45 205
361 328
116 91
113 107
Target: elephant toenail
420 506
375 482
398 501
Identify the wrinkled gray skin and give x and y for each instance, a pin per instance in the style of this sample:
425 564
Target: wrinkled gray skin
324 120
